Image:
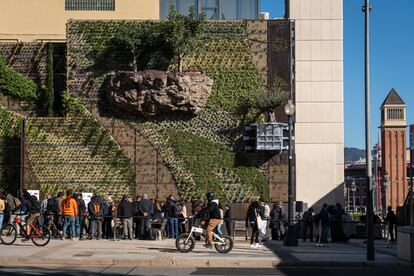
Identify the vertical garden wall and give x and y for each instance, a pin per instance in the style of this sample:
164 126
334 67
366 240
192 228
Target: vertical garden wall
203 152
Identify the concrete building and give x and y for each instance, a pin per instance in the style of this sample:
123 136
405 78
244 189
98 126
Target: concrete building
31 20
318 62
319 100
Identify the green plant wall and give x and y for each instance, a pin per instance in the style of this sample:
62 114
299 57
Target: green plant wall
203 153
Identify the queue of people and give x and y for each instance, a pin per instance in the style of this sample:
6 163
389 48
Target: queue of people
69 217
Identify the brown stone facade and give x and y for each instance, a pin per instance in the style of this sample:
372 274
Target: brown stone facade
394 163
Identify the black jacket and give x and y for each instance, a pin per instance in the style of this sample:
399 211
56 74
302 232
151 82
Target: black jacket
213 210
125 209
145 206
254 209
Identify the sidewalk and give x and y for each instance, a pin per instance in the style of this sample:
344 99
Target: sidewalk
164 254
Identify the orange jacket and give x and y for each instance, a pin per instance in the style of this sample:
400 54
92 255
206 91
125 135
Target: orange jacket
69 207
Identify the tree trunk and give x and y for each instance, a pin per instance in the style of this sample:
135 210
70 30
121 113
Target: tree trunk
180 63
270 116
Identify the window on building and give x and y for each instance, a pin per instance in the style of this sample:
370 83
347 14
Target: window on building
89 5
395 114
215 9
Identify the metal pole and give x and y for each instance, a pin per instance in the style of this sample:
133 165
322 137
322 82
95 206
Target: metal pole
22 155
370 213
349 203
411 188
290 237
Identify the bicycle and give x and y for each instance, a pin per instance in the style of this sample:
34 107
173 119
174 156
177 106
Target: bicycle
185 242
40 235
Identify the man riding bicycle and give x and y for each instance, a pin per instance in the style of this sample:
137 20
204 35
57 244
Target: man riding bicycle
212 211
32 205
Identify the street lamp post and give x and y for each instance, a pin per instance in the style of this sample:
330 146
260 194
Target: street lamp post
291 238
370 212
353 189
385 183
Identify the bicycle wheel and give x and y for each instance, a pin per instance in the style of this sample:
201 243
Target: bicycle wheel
8 234
41 235
224 247
185 243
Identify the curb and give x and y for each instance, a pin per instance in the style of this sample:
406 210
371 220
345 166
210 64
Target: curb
182 262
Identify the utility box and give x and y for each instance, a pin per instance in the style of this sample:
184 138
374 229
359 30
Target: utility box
405 243
272 136
266 137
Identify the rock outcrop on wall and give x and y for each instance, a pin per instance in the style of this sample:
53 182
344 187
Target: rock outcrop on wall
154 92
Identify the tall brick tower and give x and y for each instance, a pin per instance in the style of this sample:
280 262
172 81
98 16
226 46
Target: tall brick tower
393 140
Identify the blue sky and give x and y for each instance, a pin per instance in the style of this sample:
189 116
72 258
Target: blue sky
392 60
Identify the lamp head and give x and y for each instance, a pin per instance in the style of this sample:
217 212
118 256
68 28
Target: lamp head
289 108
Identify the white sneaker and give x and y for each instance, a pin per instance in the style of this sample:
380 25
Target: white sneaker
252 246
258 245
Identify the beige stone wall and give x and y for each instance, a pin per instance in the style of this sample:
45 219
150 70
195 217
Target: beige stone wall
319 100
29 20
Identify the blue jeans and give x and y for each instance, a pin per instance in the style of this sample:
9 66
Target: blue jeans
324 233
77 227
69 221
173 227
1 219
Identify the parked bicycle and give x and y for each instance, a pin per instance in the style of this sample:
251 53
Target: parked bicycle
185 242
40 235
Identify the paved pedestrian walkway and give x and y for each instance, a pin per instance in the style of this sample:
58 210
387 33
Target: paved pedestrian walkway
164 254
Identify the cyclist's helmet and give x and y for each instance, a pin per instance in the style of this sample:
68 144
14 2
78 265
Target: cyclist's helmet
210 196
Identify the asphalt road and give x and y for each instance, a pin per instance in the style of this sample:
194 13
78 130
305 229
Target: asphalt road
288 271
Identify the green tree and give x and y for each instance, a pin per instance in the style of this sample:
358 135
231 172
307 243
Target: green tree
268 101
180 32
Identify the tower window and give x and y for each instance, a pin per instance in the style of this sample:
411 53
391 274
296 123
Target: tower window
89 5
395 114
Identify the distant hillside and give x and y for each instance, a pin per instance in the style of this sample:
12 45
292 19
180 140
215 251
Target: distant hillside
353 154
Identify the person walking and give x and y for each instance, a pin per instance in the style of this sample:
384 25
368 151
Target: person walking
308 218
95 210
391 220
125 213
254 214
69 208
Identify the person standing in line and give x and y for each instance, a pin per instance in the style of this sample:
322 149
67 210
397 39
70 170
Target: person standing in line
95 210
324 222
145 207
44 215
2 207
125 213
172 210
228 220
266 216
308 224
277 218
136 207
81 219
107 221
391 220
69 208
255 210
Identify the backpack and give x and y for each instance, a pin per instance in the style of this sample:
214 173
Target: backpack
53 205
16 202
178 210
36 206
